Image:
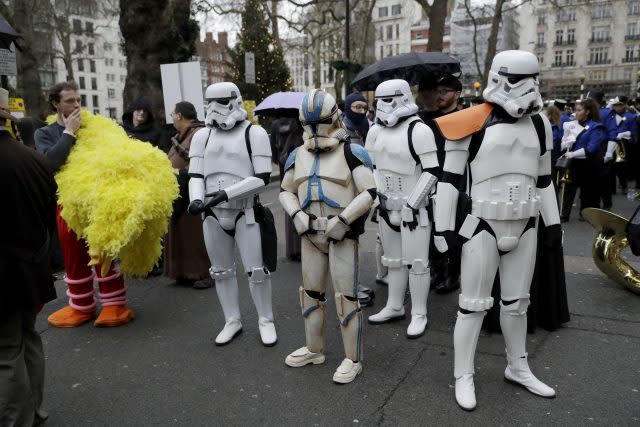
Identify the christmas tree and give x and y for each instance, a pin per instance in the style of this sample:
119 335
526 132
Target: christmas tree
272 74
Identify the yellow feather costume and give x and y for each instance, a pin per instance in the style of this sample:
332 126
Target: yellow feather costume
116 193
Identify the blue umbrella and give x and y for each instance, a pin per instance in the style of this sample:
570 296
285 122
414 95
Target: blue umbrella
280 104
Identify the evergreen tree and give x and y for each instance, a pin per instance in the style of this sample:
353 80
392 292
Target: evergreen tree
272 74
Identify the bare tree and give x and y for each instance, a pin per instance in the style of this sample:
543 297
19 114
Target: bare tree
437 12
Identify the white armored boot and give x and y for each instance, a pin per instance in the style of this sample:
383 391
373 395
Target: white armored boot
514 330
419 288
394 310
381 269
260 287
227 289
465 340
313 311
350 318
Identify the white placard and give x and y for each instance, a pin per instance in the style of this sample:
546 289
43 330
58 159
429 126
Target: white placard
8 61
182 82
249 68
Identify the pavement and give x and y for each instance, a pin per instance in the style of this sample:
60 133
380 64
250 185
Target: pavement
163 369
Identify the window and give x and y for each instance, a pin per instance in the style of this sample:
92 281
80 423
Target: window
540 58
601 11
571 36
397 31
628 54
396 9
92 66
81 82
80 64
111 112
95 101
383 12
108 47
632 29
89 27
634 8
570 60
419 35
96 112
542 19
83 100
91 49
559 36
600 34
94 83
389 32
599 55
381 33
557 61
381 52
397 49
540 40
390 50
77 26
78 48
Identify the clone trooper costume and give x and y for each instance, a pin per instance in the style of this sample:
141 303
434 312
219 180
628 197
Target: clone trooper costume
405 161
230 164
328 190
507 148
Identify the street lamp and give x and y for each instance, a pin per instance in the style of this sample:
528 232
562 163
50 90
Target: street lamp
582 79
477 87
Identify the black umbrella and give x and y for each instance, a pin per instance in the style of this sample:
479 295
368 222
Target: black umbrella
411 67
7 34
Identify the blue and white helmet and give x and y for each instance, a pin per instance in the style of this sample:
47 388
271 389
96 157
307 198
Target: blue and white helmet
320 118
513 83
224 105
394 101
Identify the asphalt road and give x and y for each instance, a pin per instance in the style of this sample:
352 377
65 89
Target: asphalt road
163 368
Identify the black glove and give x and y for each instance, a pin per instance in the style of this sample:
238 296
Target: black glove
217 198
552 236
196 207
414 221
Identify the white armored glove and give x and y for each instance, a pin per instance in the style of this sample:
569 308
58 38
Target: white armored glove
578 154
301 222
624 135
336 228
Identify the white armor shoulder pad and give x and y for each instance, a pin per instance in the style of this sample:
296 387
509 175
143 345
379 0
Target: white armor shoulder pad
259 140
423 139
199 142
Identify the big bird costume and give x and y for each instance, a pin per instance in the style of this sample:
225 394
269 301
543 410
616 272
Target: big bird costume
115 196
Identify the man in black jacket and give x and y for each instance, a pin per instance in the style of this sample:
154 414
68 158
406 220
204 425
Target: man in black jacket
139 123
28 192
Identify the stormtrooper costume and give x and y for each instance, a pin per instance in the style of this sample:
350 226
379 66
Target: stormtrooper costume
230 164
328 190
403 149
506 147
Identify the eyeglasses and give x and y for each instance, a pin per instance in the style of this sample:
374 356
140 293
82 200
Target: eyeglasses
358 107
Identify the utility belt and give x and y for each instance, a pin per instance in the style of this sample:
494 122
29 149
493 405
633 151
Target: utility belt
319 224
391 203
240 204
502 210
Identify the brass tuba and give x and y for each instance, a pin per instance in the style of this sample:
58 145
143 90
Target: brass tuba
621 152
610 241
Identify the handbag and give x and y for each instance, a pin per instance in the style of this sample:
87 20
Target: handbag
563 163
268 236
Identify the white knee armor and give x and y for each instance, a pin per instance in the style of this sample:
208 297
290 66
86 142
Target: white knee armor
507 151
404 153
328 189
230 162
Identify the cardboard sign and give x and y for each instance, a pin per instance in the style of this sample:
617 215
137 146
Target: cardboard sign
182 82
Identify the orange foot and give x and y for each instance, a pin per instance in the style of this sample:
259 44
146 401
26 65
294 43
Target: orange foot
114 315
69 317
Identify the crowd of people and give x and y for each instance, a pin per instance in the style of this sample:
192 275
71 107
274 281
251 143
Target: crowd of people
592 149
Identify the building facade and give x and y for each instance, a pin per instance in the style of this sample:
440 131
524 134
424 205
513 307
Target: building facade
392 21
214 58
420 36
594 41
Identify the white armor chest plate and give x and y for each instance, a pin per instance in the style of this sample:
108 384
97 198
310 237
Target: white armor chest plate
505 171
323 177
226 159
396 169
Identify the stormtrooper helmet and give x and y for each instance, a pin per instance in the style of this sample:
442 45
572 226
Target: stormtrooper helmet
394 101
320 118
224 105
513 83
